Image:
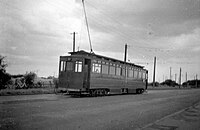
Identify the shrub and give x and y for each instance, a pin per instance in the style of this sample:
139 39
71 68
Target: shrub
29 79
4 80
169 82
55 81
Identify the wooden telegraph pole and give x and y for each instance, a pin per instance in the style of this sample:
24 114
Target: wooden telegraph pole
163 78
186 79
74 41
180 79
196 81
125 55
154 71
125 52
170 73
175 77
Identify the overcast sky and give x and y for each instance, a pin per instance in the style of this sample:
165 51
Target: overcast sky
34 33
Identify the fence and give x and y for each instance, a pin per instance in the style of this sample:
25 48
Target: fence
34 85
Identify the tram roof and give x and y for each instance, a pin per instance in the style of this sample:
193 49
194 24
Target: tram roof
81 52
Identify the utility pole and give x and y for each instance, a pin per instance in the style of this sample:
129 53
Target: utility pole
74 40
186 79
180 79
163 78
196 81
175 77
170 73
154 71
125 53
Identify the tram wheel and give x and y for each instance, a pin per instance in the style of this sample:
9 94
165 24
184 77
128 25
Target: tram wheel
92 93
103 92
138 91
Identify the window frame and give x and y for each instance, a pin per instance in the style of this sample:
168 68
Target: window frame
78 64
130 72
107 67
113 66
71 66
135 74
96 66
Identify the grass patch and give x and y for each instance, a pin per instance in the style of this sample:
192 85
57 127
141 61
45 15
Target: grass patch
32 91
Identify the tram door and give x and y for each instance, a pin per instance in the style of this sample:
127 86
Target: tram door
87 68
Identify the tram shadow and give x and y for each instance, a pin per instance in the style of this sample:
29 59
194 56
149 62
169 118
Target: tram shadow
99 96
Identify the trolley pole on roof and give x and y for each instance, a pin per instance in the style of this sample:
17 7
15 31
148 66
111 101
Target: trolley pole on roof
125 53
91 51
154 71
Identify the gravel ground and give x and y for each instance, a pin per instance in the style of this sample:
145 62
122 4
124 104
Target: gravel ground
145 111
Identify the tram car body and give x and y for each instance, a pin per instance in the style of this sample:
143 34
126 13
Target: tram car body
88 73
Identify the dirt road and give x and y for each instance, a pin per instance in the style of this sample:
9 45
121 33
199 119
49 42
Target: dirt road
110 112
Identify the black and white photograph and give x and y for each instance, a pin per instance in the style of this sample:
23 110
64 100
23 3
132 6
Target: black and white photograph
99 64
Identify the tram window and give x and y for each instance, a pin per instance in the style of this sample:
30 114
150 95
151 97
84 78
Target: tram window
64 65
126 72
118 69
104 69
78 66
61 66
96 68
123 71
112 70
130 73
140 75
69 66
135 73
143 75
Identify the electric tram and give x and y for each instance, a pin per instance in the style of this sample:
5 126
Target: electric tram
97 75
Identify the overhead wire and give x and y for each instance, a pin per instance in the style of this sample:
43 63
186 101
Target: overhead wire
113 28
127 36
63 26
98 22
165 51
